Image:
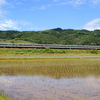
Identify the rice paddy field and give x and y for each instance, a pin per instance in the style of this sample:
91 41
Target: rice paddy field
65 76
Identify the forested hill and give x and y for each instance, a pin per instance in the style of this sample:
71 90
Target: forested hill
52 36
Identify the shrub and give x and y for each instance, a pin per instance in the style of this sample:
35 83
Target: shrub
94 51
48 50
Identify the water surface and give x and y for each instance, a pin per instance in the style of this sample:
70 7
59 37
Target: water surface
40 87
51 79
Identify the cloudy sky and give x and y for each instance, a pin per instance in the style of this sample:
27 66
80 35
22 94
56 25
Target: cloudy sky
27 15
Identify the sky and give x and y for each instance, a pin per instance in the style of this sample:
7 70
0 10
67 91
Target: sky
37 15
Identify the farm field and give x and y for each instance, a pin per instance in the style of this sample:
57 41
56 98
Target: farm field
49 50
50 78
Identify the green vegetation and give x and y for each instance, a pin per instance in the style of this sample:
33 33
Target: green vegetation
94 51
50 67
2 97
4 51
53 36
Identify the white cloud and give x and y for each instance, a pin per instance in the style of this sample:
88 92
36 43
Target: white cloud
18 3
77 2
36 0
3 2
71 2
8 24
55 0
92 25
2 13
41 7
11 24
95 1
74 3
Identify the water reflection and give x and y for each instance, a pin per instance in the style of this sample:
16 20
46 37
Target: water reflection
43 88
53 79
94 59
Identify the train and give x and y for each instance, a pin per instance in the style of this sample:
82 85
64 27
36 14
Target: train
52 46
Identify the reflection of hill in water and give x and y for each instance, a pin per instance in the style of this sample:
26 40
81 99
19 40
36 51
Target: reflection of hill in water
56 68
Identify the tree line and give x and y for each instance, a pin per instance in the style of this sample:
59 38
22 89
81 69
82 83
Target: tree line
53 36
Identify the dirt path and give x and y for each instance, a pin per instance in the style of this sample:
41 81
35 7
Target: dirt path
43 56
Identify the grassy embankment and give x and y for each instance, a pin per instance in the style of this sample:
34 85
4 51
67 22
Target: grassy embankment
48 51
2 97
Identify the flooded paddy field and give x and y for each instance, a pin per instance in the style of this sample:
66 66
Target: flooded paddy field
50 79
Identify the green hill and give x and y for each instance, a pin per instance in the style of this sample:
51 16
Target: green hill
52 36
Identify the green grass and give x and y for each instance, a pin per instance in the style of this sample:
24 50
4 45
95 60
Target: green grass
46 51
3 97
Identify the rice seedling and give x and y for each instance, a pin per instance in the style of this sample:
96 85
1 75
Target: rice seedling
56 68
